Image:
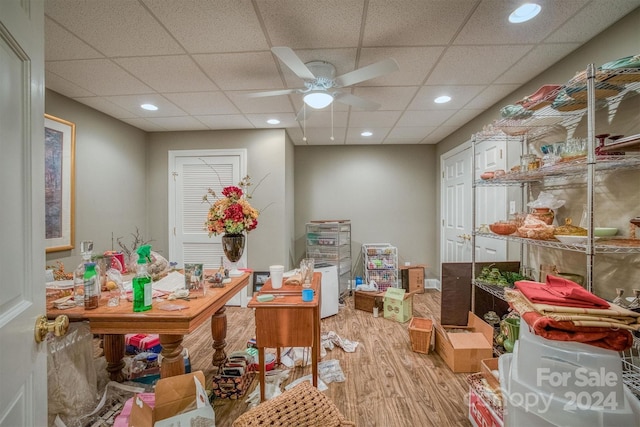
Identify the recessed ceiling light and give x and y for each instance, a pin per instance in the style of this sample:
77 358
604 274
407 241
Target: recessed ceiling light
524 13
442 99
366 133
149 107
273 121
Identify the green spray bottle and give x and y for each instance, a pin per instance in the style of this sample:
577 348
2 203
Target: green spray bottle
142 284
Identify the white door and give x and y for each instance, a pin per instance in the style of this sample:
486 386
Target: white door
191 173
491 202
456 166
23 363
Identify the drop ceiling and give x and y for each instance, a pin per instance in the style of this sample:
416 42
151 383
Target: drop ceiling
197 59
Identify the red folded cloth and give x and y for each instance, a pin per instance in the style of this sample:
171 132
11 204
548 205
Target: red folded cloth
562 330
560 291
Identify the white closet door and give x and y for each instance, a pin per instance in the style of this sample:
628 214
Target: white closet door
491 202
191 173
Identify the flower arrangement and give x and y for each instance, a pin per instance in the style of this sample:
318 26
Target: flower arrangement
232 213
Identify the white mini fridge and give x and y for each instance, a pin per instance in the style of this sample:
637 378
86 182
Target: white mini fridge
330 290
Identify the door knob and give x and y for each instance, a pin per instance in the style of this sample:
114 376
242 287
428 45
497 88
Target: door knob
59 327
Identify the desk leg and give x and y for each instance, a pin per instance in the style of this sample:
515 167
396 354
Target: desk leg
219 335
172 359
114 353
262 368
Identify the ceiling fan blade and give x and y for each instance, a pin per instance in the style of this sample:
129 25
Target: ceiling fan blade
291 60
369 72
356 101
272 93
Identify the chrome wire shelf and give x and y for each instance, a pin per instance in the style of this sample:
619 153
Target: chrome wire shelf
609 248
495 290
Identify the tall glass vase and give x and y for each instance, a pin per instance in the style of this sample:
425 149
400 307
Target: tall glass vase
233 247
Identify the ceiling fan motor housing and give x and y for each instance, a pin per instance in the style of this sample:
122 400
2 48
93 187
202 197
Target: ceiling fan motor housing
325 73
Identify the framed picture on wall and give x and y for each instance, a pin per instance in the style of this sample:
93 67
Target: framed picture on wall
59 182
259 279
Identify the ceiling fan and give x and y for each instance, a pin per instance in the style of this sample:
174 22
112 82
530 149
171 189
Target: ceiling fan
320 79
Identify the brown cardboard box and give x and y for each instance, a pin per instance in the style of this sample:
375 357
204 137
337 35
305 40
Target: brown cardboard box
365 301
463 347
487 366
179 401
413 278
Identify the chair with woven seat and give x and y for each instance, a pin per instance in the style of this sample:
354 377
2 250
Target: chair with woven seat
302 405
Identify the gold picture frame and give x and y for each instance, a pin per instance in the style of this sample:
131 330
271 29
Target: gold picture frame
59 176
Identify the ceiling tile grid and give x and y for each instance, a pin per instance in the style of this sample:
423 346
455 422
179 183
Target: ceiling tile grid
198 60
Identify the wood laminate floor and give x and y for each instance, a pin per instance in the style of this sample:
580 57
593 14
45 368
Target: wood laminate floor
387 384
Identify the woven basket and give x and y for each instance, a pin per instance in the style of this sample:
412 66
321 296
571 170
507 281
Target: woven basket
300 406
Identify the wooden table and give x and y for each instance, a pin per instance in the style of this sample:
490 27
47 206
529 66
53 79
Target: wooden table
287 321
115 322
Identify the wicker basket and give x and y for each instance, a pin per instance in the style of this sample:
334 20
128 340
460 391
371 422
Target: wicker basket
302 405
420 330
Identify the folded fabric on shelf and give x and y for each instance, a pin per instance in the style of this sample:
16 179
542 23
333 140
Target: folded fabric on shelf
560 291
612 333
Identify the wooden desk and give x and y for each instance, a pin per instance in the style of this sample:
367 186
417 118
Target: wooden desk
115 322
287 321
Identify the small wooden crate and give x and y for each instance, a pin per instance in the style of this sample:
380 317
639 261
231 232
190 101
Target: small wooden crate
367 300
420 330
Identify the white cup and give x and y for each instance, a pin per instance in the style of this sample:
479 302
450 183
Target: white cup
276 272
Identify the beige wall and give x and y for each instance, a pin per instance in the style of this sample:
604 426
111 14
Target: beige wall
110 178
388 193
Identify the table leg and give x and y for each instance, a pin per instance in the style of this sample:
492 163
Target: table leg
219 335
315 347
113 346
172 358
262 368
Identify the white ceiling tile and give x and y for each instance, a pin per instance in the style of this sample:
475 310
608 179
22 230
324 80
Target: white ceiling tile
460 96
176 73
231 121
186 20
324 118
178 123
462 116
401 141
475 64
414 22
589 21
132 103
65 87
389 98
494 15
203 103
373 119
274 104
490 96
103 105
145 125
122 28
60 44
99 76
295 134
439 134
260 120
312 24
237 71
413 132
354 137
425 117
322 136
415 64
535 62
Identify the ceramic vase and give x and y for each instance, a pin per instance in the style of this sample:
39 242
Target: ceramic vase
543 214
233 247
513 330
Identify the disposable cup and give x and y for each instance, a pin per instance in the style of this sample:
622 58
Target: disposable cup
307 295
276 272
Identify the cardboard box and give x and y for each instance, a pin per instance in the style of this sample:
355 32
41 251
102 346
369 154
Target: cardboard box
480 413
365 301
463 347
179 400
487 366
398 305
413 278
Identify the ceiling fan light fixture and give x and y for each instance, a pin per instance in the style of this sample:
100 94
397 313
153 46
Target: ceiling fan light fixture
524 13
318 99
